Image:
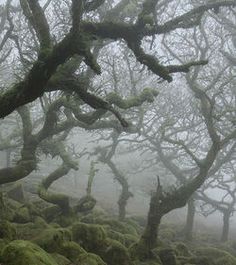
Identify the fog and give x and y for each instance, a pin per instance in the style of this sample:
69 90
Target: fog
117 132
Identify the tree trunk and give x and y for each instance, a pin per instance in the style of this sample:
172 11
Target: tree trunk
149 237
188 230
125 193
225 230
122 205
148 240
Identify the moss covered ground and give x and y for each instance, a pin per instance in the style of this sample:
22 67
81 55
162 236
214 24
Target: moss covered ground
28 237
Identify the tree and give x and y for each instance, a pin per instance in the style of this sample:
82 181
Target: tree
105 156
80 39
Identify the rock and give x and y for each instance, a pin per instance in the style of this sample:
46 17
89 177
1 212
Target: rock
20 252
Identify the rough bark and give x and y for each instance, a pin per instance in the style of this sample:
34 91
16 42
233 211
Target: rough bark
188 230
225 230
148 240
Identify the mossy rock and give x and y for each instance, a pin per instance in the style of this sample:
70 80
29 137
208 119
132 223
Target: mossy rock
113 252
134 224
50 213
7 230
130 239
51 239
71 250
147 262
89 236
128 226
89 259
138 251
125 239
3 243
22 215
40 222
195 260
60 260
121 227
182 250
67 220
167 256
116 236
91 218
20 252
217 255
31 230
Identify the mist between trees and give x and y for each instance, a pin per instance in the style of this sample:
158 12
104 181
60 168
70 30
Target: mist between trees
108 105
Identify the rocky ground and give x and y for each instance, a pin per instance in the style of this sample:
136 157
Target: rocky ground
37 234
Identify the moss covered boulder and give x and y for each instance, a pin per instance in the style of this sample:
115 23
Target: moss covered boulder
7 230
125 239
51 239
20 252
182 250
71 250
22 215
60 260
218 256
113 252
89 259
167 256
30 230
147 262
89 236
121 227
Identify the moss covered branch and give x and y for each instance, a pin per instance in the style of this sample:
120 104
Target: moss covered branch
59 199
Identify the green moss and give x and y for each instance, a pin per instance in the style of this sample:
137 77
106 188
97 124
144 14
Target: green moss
195 261
89 258
139 251
51 212
85 204
147 94
167 256
130 239
40 222
226 260
116 236
147 262
60 260
93 216
51 239
182 250
89 236
3 243
7 230
134 224
148 19
217 255
113 252
66 220
121 227
71 250
21 252
22 215
31 230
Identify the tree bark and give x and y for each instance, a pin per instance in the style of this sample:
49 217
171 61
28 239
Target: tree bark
225 230
188 230
148 240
